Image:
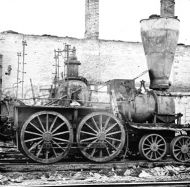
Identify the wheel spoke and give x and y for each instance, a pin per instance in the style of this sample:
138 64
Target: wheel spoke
54 152
51 126
161 145
148 145
47 154
112 133
47 122
59 126
88 139
147 153
41 124
177 146
187 155
111 127
35 127
61 139
155 155
114 139
95 124
101 153
34 133
88 133
108 151
183 141
155 140
159 153
181 157
35 145
89 145
178 153
58 145
106 123
159 141
149 141
100 121
179 142
38 153
59 133
91 128
93 151
33 139
111 145
161 149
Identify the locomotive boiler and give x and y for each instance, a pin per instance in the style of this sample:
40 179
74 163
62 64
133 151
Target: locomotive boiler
135 122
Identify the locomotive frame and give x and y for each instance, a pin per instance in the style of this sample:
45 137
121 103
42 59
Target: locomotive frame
47 134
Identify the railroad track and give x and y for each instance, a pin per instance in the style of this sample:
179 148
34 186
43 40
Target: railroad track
13 161
143 184
27 165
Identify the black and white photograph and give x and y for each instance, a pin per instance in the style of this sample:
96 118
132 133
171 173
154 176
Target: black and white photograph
95 93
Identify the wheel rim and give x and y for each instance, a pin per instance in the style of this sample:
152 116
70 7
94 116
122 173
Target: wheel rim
180 148
46 137
100 136
152 147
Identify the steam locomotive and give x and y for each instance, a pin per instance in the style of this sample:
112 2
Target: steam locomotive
136 121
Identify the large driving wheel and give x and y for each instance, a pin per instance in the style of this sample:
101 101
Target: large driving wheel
152 147
180 148
46 137
100 136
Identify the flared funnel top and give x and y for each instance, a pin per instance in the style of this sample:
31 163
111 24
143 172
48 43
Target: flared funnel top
159 38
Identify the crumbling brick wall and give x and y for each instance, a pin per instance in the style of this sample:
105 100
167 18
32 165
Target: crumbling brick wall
101 60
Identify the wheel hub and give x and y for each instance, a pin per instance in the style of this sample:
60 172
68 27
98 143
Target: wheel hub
154 147
184 149
47 136
101 136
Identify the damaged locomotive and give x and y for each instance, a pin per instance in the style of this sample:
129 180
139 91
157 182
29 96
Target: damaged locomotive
134 122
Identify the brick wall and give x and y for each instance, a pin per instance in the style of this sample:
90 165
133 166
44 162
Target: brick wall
101 61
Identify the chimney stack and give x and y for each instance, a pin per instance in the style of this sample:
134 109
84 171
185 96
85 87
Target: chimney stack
167 8
92 19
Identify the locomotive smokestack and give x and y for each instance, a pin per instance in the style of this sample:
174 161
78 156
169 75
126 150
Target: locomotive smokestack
159 37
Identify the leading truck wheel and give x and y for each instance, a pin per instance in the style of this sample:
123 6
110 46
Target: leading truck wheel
100 136
46 137
180 148
152 147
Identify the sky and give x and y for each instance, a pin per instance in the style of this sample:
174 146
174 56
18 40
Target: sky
119 19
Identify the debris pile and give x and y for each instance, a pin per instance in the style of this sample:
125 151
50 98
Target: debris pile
134 174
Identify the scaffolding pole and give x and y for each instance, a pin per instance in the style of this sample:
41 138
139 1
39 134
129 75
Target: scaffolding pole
24 44
18 71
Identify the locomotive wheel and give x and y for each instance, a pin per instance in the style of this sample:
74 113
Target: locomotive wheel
152 147
100 136
46 137
180 148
